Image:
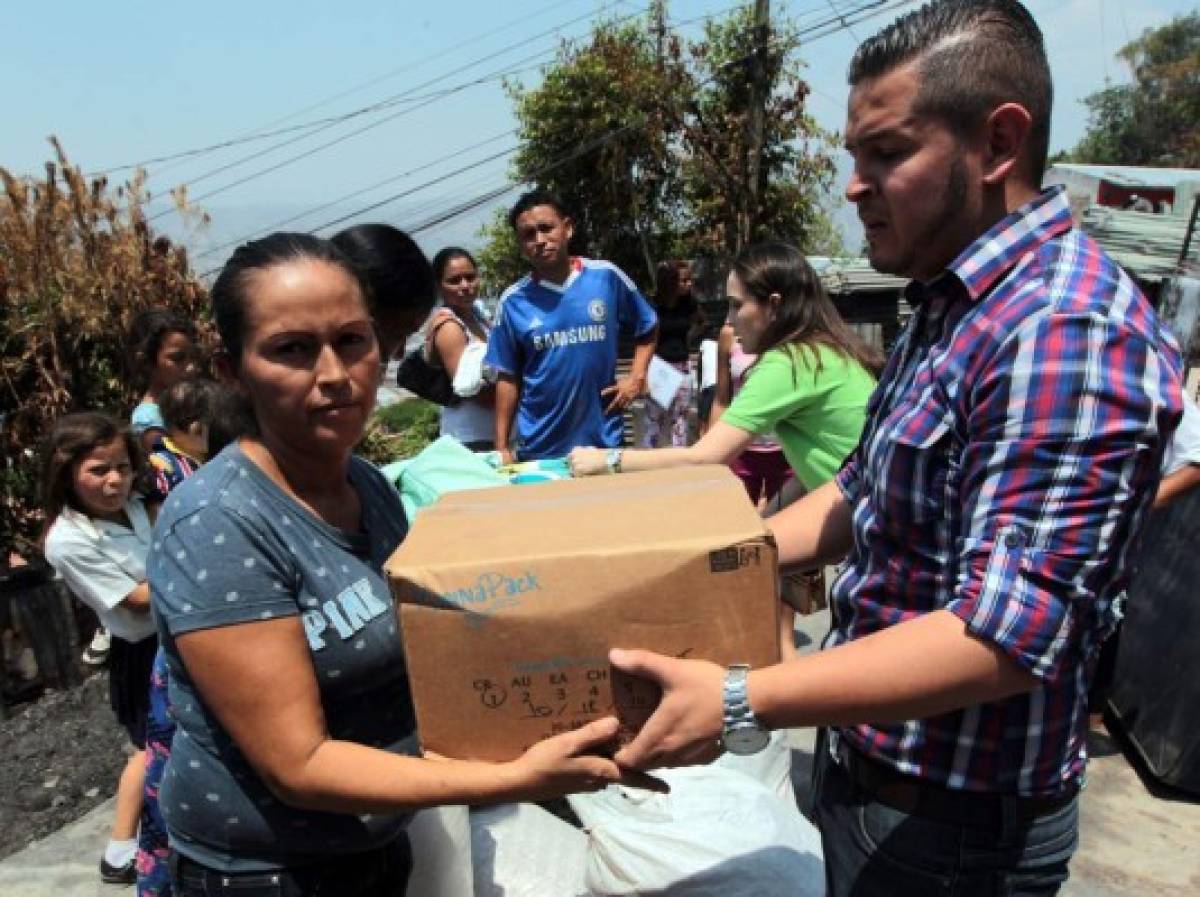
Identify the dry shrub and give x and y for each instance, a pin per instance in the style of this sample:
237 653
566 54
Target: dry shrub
77 262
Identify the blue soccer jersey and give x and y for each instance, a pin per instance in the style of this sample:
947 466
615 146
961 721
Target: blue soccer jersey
560 343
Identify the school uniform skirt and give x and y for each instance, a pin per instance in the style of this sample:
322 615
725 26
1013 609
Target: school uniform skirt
129 665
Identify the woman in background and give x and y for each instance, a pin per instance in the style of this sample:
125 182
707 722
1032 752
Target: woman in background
678 319
458 335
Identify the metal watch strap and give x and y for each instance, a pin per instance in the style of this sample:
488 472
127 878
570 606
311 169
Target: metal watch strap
612 460
742 732
736 700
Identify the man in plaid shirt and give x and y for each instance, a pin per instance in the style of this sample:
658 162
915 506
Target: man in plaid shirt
990 513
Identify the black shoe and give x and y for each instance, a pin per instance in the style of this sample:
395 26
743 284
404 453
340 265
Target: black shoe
117 875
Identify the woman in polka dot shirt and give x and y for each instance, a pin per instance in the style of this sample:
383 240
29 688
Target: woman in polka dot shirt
292 768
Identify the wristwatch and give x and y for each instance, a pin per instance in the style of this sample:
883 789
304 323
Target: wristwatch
612 460
742 732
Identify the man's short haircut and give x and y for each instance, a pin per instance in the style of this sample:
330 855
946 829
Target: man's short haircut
972 55
531 200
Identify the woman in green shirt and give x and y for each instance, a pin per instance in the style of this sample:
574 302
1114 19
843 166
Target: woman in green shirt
809 387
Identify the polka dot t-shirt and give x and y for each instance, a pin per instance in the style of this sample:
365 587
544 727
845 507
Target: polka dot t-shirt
230 547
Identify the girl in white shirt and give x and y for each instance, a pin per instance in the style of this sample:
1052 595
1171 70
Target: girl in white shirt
97 538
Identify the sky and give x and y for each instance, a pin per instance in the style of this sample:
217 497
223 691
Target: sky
132 81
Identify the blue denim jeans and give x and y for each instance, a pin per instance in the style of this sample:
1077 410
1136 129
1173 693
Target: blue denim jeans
376 873
873 849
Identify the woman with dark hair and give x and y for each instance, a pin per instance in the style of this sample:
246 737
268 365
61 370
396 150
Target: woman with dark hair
809 386
399 279
457 329
289 772
678 318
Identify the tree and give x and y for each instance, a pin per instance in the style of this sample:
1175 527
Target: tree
796 168
77 262
595 132
648 143
1156 119
500 259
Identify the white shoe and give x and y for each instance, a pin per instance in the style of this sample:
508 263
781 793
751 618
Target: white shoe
97 652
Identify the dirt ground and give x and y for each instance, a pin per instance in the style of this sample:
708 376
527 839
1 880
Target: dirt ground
59 757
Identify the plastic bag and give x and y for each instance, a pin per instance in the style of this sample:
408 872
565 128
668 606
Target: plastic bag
471 374
718 833
441 845
520 850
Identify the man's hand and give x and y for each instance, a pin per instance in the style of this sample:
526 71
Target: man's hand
586 462
686 727
506 457
623 392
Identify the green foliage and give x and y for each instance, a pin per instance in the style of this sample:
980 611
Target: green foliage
1156 119
400 431
796 167
648 141
601 117
77 262
500 261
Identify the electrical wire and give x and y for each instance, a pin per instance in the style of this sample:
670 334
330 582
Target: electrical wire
263 133
840 21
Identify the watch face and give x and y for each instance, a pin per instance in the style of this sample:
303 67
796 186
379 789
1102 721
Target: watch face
746 740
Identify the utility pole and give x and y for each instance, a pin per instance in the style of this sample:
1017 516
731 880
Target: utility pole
758 111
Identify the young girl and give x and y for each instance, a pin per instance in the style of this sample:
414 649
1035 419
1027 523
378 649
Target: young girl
97 537
162 351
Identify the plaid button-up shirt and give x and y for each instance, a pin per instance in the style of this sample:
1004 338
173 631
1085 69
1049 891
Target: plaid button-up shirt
1010 455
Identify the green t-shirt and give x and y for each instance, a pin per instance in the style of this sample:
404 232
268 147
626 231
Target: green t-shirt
816 416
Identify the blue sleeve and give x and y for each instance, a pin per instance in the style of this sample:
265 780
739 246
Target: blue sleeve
215 567
503 346
632 307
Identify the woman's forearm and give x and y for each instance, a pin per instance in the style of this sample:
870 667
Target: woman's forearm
345 777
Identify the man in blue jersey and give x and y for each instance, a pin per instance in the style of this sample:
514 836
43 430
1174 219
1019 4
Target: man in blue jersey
554 345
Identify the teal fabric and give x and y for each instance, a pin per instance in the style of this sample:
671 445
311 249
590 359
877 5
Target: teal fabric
445 465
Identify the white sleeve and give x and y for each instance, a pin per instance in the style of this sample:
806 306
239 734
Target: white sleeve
1185 444
90 575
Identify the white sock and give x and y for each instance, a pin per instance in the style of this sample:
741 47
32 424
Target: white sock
118 853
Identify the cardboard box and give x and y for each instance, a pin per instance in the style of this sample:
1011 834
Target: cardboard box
510 599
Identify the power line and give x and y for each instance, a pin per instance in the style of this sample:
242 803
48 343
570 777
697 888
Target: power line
340 139
310 152
323 206
389 101
864 12
262 133
813 32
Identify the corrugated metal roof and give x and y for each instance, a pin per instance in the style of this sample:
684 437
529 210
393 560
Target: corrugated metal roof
1132 175
849 275
1147 245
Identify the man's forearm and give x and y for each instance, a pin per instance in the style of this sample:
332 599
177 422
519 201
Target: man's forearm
914 670
643 351
507 396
